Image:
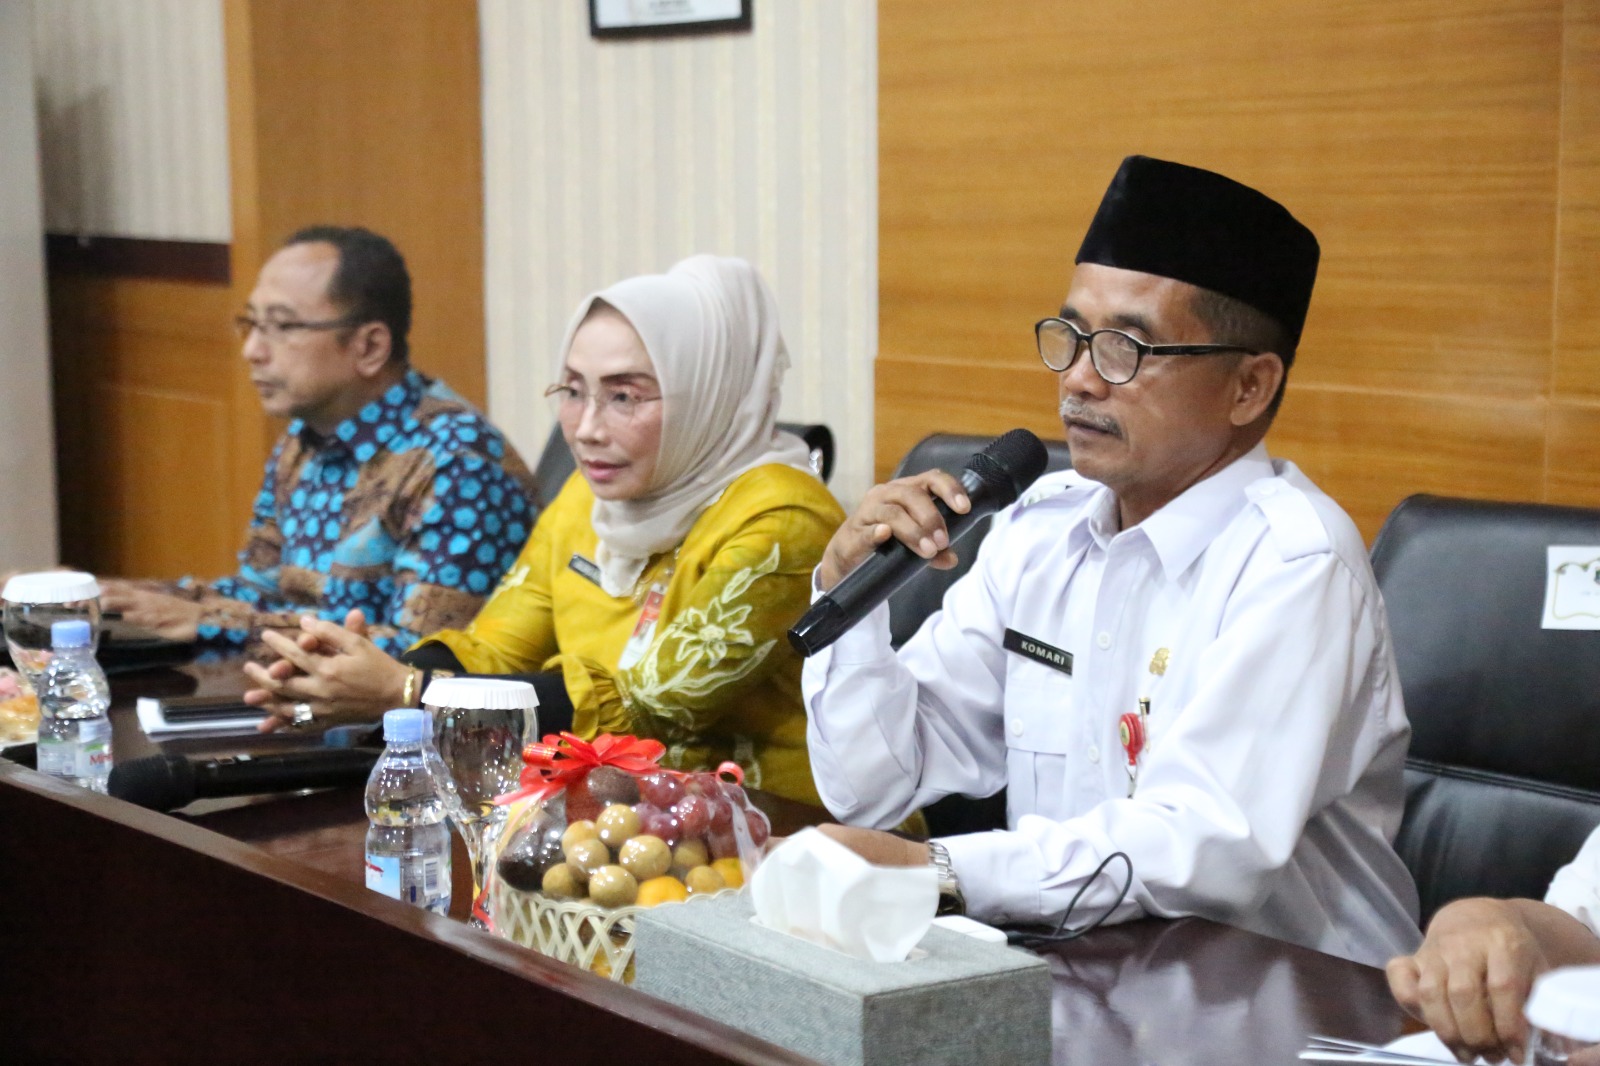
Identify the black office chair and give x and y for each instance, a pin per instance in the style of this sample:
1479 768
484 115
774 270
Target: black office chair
1503 778
556 465
923 594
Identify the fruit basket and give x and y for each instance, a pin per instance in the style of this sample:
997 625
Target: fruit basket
600 832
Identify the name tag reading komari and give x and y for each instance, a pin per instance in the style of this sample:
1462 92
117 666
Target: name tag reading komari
1040 652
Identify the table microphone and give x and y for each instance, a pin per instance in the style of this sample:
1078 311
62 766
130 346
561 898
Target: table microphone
993 479
167 782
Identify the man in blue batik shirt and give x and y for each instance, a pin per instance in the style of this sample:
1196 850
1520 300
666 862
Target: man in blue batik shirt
388 493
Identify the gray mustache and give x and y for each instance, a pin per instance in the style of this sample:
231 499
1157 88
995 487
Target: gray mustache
1073 410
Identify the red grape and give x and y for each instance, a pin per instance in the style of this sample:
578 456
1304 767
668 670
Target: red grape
721 813
723 844
661 788
662 824
694 812
760 828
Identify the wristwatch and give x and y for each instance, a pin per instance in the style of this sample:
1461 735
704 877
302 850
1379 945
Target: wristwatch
951 901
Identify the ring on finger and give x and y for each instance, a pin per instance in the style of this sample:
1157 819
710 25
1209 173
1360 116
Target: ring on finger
303 715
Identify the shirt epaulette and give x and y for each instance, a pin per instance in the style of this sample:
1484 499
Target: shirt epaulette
1297 529
1052 485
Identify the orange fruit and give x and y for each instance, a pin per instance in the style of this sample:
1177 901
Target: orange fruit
661 889
732 872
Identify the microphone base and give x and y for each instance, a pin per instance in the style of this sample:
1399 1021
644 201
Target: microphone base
823 624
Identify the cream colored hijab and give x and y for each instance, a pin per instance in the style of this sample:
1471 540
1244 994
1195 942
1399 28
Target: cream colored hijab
710 326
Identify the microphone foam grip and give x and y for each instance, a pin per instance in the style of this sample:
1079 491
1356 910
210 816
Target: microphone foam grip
1012 461
158 782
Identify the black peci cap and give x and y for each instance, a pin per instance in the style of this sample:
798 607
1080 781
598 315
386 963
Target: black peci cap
1198 227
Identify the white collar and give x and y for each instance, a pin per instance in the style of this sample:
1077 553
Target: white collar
1186 526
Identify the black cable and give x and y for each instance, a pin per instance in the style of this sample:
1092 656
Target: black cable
1036 937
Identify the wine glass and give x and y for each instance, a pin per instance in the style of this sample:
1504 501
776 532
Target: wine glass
480 726
32 603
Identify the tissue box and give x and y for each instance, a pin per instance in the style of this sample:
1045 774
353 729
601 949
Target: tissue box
963 1002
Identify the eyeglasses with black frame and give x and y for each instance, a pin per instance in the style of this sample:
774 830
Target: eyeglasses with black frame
274 330
1114 354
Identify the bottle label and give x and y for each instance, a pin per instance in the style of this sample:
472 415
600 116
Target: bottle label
58 758
383 874
94 749
423 881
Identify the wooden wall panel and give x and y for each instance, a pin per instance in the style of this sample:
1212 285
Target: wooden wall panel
1443 151
1572 467
157 530
144 374
1375 448
1573 455
914 394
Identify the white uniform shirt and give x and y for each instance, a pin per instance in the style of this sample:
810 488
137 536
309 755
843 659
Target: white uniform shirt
1246 611
1576 887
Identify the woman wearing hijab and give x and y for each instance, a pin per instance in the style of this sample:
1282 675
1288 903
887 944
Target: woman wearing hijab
655 591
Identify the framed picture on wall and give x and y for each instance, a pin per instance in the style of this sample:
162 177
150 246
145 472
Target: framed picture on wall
640 18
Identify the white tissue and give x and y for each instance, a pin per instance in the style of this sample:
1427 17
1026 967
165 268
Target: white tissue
817 889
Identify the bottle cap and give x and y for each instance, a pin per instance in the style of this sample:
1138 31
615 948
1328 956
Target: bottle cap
403 725
51 586
1567 1001
480 693
70 633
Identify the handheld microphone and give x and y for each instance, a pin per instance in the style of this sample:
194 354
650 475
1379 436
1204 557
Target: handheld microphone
993 479
167 782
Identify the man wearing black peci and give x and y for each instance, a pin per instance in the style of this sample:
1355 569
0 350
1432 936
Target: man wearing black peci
1217 698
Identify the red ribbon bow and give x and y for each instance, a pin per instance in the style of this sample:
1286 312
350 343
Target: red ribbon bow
559 760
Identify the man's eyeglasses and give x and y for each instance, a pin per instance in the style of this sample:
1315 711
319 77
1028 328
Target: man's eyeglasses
274 330
1115 355
616 405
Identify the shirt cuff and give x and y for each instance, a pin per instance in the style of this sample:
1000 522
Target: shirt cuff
999 874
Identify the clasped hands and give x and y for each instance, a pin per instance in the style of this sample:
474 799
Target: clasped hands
1471 978
335 669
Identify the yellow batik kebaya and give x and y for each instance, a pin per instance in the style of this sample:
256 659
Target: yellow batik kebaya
713 677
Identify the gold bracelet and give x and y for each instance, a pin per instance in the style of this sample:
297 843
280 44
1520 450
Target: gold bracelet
410 691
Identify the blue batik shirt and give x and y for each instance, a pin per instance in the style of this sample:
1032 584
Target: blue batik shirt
410 512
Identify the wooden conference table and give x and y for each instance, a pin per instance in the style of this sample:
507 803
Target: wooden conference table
244 933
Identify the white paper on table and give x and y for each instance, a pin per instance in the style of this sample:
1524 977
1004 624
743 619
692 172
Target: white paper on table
1572 587
1429 1046
817 889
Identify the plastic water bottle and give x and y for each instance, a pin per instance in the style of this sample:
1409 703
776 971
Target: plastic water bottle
74 731
408 841
441 773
